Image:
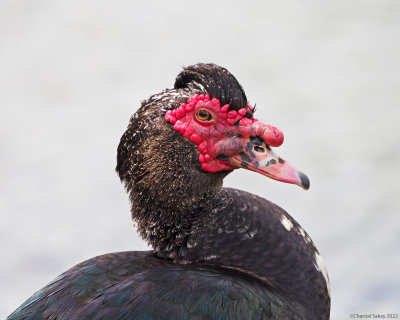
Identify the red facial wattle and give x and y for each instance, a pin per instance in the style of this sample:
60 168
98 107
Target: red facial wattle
209 135
223 137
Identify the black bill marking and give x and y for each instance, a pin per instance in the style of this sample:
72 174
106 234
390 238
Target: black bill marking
256 141
270 163
245 158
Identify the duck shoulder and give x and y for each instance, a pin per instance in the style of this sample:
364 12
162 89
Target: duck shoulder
138 285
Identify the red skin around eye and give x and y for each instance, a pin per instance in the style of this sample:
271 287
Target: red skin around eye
220 135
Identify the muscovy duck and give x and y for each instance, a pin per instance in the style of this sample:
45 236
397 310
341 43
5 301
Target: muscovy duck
218 253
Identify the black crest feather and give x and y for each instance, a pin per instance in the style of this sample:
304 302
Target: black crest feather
216 81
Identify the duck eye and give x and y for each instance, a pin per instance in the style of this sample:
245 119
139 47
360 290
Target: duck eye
204 115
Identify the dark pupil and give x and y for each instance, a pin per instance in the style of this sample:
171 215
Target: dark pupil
203 114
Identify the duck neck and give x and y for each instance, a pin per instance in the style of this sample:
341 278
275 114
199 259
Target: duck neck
168 190
167 225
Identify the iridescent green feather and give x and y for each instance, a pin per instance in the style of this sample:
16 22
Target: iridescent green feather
136 285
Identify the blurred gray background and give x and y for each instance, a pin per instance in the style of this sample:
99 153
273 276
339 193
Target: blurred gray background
325 72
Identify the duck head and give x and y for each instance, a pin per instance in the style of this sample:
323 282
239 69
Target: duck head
193 135
229 139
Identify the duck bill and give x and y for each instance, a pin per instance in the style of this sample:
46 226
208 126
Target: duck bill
261 159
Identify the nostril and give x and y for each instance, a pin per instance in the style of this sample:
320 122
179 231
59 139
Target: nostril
259 149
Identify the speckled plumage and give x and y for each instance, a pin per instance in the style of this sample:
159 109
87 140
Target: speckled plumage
218 253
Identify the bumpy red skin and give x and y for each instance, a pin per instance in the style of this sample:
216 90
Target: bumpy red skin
226 134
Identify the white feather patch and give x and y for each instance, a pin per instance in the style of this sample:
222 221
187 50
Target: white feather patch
320 266
286 223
